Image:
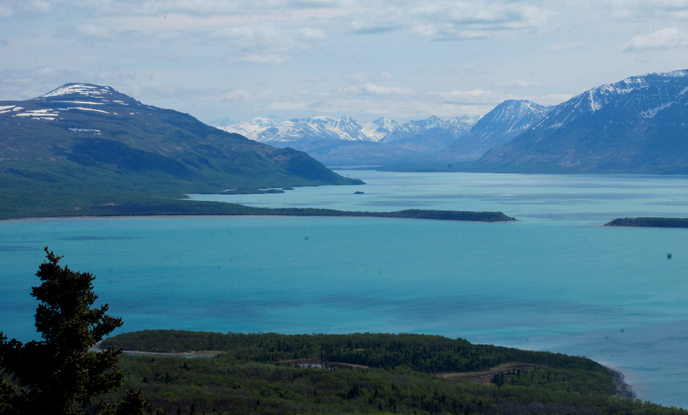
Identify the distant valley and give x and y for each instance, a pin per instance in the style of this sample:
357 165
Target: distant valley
347 142
637 125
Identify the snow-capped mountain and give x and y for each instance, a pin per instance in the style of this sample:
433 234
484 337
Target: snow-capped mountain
380 128
430 135
640 97
424 136
635 125
301 130
506 121
100 144
86 93
80 98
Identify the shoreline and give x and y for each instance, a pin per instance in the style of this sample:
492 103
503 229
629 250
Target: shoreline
623 389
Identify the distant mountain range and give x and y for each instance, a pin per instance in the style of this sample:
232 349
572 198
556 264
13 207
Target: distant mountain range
638 125
91 144
420 137
345 141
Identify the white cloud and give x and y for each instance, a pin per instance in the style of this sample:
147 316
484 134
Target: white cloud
38 6
171 35
251 36
6 11
29 83
268 59
457 20
643 10
312 79
663 39
308 33
238 96
446 32
567 45
269 36
358 77
517 83
93 30
474 96
116 77
373 89
243 11
553 99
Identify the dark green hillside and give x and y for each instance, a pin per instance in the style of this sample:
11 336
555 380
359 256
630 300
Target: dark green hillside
88 145
364 373
423 353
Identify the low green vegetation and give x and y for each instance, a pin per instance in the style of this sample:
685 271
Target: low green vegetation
650 222
361 373
430 354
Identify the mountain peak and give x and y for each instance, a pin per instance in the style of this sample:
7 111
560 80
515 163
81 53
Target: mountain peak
87 93
506 121
86 90
634 125
676 74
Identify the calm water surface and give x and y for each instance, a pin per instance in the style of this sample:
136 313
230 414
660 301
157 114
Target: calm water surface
555 280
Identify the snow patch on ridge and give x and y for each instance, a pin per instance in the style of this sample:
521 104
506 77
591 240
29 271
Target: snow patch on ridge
81 89
82 102
83 109
44 114
652 112
85 130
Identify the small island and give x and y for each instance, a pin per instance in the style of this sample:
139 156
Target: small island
359 193
650 222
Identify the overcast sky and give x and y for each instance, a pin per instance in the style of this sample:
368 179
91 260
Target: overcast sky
395 58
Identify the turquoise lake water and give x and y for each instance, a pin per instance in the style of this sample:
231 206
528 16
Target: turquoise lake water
555 280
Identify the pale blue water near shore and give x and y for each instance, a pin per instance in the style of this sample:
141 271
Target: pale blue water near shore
555 280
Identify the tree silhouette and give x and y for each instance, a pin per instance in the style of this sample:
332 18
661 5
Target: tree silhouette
59 375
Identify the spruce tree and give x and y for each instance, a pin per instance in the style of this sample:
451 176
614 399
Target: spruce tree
58 374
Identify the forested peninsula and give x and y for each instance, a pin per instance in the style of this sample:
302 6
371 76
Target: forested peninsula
220 208
363 373
650 222
196 208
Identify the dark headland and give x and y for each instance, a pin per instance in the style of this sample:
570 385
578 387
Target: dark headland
650 222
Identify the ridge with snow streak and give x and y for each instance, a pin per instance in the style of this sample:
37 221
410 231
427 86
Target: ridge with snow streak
506 121
637 125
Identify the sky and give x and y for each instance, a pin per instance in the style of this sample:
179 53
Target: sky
402 59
